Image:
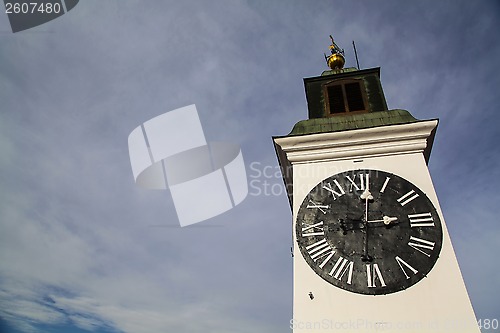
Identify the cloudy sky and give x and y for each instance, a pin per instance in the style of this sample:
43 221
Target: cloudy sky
82 248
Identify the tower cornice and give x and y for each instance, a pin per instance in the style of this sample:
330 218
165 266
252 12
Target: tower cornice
359 143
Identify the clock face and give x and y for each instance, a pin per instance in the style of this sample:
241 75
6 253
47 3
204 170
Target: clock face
369 232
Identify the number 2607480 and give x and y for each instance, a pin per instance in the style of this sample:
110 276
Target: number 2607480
32 8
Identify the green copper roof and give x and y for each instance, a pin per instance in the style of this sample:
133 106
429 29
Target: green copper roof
356 121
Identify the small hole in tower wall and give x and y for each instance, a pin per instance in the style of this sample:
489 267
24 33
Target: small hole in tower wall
357 161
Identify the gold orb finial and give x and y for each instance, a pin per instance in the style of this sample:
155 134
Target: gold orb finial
336 59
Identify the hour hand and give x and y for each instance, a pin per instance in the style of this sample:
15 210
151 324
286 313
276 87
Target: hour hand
387 220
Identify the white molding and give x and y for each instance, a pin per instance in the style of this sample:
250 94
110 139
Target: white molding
367 142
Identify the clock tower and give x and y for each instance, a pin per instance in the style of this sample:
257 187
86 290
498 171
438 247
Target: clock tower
371 247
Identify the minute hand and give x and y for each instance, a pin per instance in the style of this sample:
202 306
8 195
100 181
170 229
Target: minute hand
386 219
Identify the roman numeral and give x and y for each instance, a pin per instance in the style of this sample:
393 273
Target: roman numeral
372 274
420 244
319 250
364 182
385 184
402 263
341 266
322 208
407 197
313 229
334 193
421 220
328 257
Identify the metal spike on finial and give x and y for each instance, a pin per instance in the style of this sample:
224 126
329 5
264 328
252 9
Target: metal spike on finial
336 59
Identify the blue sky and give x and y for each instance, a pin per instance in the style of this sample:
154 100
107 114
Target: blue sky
83 249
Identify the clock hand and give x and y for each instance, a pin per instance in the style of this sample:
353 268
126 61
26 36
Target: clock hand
386 219
366 196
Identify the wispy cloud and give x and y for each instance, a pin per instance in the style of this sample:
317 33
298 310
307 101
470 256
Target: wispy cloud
76 243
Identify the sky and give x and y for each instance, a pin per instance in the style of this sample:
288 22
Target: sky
83 249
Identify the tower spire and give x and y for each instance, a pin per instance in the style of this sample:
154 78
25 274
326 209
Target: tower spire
336 59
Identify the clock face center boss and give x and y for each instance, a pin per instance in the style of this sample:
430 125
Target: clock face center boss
369 232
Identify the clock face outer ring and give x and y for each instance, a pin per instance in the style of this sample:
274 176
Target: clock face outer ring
331 232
